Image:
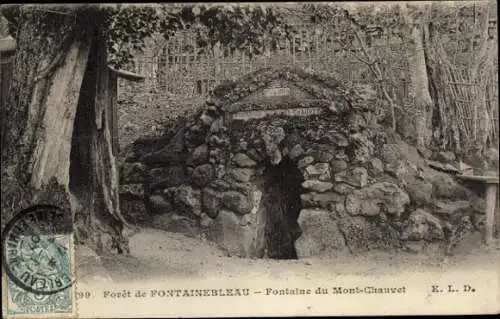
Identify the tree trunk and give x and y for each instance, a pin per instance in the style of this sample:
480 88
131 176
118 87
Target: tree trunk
462 117
419 82
93 171
47 74
52 123
480 76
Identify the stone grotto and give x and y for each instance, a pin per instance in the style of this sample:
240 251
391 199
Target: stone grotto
288 164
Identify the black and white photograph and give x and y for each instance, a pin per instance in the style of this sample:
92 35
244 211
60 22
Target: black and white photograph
205 159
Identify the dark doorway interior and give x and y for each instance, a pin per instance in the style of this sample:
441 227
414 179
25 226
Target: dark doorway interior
281 197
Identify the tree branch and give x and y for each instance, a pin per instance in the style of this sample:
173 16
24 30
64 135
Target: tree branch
373 66
11 11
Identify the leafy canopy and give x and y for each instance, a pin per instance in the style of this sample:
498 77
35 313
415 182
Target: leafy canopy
252 28
458 21
249 28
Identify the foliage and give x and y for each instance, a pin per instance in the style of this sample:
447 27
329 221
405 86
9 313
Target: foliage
459 40
127 27
459 24
246 27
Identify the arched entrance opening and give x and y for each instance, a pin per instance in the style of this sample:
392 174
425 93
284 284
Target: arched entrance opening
282 205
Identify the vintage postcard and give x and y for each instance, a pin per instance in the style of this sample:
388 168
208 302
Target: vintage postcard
249 159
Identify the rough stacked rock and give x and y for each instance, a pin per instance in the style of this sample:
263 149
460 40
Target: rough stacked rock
358 190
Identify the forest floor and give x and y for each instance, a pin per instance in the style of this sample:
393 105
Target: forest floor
140 115
156 253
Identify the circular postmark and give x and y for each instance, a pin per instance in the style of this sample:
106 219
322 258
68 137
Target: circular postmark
36 248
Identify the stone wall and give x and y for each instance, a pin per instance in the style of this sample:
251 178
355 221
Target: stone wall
357 189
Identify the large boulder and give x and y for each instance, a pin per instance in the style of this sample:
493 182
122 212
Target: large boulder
216 156
363 148
376 167
212 202
203 174
275 157
223 186
241 174
420 192
324 200
227 231
172 154
357 233
317 186
444 186
188 200
390 154
343 188
357 177
237 202
243 160
422 225
198 156
296 151
362 234
319 171
338 165
324 156
167 177
305 162
377 198
272 137
447 208
339 139
320 235
133 173
159 205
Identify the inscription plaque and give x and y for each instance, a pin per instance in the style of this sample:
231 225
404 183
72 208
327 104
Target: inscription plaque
257 114
277 91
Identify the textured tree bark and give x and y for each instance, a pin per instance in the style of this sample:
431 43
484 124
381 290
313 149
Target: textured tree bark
449 131
419 87
40 112
93 171
43 105
5 76
113 104
479 75
462 114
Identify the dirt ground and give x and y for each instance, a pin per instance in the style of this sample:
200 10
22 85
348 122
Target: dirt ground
158 253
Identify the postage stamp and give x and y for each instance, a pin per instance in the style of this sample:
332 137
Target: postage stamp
38 257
